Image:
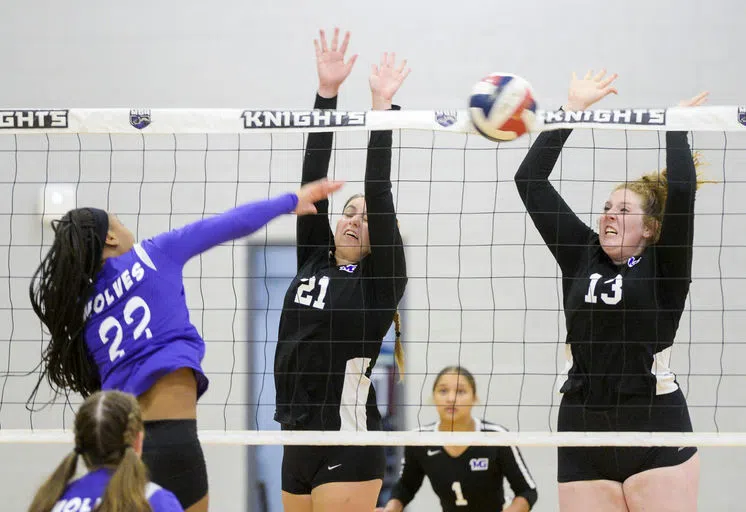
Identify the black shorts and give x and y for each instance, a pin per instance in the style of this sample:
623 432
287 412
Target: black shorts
306 467
661 413
174 458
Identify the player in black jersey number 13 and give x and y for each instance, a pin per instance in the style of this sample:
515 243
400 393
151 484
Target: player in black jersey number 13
624 290
338 309
465 478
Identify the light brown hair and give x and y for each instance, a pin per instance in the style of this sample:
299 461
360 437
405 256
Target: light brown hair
653 190
106 427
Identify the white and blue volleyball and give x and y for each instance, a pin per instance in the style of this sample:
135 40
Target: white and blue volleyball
502 107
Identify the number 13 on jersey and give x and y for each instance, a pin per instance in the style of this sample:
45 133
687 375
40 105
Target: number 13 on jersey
611 299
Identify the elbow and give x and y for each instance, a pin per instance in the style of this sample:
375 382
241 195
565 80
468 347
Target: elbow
522 181
522 171
530 495
522 175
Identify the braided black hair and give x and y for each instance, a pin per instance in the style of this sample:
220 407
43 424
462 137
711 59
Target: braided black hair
59 291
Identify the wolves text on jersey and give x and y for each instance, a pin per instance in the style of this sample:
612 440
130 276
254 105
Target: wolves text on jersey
118 288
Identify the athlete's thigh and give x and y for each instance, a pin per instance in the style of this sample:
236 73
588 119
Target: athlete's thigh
592 496
346 496
296 502
664 489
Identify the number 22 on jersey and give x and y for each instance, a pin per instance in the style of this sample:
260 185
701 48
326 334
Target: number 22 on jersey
611 299
306 289
111 322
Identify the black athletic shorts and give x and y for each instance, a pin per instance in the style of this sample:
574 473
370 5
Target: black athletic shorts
174 458
306 467
661 413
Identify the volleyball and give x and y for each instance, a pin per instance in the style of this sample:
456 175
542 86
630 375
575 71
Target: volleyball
502 107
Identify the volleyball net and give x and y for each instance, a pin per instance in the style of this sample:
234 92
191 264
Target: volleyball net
483 292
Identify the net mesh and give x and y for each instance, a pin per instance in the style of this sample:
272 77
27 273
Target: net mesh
483 290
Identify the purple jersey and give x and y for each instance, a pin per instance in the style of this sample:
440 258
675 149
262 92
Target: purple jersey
138 326
84 494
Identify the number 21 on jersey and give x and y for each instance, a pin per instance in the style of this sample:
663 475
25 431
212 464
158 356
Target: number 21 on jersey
306 289
611 299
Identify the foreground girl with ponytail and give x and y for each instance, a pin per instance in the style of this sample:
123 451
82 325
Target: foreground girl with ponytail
108 437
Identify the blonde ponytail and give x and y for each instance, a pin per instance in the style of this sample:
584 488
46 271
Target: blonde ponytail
398 348
653 190
52 490
126 489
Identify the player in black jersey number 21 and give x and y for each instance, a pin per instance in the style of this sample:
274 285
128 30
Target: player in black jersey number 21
624 290
338 309
465 478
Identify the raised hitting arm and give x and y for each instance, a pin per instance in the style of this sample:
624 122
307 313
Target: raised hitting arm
184 243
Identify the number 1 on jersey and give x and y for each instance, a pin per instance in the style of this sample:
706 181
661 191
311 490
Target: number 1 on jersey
304 293
460 500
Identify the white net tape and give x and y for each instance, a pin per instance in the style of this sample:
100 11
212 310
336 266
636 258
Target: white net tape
200 121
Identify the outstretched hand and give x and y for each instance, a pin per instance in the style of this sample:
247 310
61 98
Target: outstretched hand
385 79
314 192
696 101
330 63
586 91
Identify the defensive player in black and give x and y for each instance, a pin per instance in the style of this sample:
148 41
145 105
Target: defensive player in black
465 478
338 309
624 290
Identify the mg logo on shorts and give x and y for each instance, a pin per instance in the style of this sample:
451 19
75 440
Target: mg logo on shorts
481 464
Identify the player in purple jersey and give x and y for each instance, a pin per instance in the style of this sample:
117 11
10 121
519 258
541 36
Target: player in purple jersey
109 436
118 319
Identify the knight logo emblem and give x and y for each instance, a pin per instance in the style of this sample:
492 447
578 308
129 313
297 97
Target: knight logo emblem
446 118
742 115
140 117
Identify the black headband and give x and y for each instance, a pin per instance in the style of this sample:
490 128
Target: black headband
100 224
